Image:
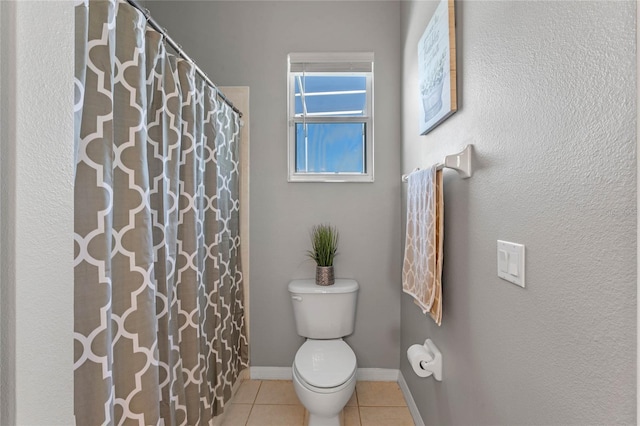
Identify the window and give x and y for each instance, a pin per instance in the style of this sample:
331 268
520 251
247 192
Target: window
330 117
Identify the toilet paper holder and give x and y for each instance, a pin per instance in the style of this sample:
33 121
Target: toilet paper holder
433 362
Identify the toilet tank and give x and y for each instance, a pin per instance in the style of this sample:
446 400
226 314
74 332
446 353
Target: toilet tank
324 312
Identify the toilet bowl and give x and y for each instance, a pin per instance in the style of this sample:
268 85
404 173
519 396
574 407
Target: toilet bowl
324 378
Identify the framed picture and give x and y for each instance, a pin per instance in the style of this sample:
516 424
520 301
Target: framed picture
437 68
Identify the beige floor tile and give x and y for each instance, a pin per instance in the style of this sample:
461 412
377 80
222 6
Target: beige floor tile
351 416
276 415
236 414
353 401
385 416
379 394
277 392
275 403
247 392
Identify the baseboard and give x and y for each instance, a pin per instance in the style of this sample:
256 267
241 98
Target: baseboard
364 374
377 374
270 373
413 408
244 375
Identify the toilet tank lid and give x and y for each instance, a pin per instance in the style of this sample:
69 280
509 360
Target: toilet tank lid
309 286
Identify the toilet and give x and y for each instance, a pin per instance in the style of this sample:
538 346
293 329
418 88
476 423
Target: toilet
324 368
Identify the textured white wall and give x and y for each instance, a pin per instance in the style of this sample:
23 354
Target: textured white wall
37 212
548 97
246 43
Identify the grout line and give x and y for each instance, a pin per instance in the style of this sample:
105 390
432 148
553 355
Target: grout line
358 406
249 416
255 398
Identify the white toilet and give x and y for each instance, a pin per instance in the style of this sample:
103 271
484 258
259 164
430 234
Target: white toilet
324 369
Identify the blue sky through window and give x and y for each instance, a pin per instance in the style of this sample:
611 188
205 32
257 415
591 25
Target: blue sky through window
331 95
330 147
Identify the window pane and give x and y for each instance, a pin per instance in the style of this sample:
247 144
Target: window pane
336 95
330 148
298 97
298 106
343 105
333 83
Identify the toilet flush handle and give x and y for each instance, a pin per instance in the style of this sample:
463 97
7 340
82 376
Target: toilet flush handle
297 298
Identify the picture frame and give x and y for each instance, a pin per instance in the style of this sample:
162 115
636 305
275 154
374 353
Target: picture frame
437 68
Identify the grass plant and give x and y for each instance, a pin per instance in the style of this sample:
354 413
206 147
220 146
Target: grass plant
324 244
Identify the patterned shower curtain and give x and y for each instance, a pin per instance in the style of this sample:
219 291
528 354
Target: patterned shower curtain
159 317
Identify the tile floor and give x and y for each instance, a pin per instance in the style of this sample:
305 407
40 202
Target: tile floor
274 403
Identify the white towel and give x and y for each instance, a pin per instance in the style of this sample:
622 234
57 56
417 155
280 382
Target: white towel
422 268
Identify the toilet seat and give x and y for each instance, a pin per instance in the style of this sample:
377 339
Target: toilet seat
325 364
316 390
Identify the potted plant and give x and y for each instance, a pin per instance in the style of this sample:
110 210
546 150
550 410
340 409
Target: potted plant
324 247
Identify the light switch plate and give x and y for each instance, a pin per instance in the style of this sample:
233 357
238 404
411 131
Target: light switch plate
511 262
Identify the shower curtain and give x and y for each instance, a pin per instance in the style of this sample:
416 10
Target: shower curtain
159 318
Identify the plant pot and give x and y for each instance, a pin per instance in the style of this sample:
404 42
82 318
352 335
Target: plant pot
324 275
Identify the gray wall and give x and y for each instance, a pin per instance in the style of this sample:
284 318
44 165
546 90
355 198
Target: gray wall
246 43
547 95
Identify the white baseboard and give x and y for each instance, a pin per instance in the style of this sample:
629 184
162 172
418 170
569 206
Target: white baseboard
270 373
377 374
413 408
364 374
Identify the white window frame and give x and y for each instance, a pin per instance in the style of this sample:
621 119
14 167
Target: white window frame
357 63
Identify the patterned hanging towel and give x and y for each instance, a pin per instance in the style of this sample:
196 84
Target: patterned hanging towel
422 268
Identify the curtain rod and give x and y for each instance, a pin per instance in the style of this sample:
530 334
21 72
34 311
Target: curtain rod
180 51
